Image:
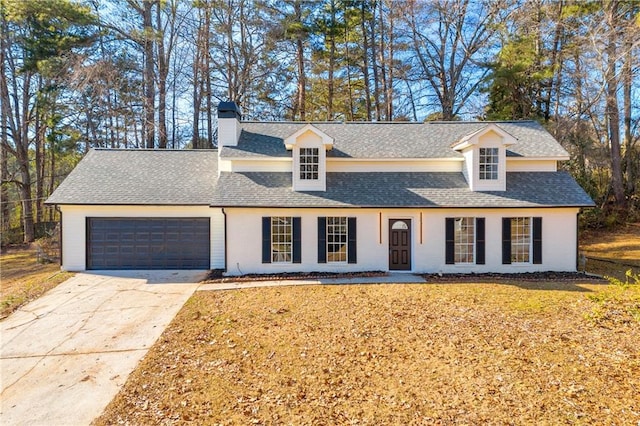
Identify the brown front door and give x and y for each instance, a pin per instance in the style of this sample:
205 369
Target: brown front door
400 244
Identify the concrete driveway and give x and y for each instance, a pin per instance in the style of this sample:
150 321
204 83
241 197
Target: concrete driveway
66 355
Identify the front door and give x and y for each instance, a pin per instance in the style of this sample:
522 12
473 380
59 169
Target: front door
400 244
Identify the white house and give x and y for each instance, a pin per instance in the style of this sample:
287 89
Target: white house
452 197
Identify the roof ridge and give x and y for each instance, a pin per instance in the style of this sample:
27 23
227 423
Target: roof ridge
330 122
389 122
479 121
154 150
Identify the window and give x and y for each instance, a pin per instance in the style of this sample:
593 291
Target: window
281 239
309 160
464 239
337 239
489 163
520 239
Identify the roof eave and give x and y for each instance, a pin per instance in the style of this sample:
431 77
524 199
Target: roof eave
484 207
67 203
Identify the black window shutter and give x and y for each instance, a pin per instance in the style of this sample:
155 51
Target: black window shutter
537 240
266 240
450 247
352 253
480 241
297 241
322 240
506 240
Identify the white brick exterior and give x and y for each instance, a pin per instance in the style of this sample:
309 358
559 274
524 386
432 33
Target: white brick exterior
427 240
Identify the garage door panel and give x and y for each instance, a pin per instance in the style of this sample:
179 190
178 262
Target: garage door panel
148 243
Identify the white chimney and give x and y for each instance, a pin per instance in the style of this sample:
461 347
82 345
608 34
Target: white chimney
229 124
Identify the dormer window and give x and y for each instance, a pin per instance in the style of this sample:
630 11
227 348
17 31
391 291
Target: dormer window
488 163
485 157
309 146
309 162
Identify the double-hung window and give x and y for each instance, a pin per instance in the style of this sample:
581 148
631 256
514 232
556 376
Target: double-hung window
522 240
464 240
488 164
464 236
337 239
281 239
309 162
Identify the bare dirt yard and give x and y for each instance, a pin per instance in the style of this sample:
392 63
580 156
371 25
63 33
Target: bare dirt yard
24 278
504 352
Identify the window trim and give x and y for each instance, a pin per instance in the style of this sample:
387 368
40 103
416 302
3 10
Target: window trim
529 235
352 240
344 236
487 175
457 244
289 226
479 245
303 163
296 240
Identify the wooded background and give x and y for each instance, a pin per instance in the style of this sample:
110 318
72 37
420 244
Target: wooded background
149 74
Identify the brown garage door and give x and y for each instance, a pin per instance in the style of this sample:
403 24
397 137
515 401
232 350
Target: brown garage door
148 243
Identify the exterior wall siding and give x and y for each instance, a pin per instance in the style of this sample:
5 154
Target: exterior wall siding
74 228
528 165
339 165
427 240
441 165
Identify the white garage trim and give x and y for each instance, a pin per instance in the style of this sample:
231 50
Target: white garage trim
74 219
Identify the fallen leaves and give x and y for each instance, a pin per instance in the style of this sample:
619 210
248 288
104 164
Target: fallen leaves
387 354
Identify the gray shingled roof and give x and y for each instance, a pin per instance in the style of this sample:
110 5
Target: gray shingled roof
391 140
140 177
441 189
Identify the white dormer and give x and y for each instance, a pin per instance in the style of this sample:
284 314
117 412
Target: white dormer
485 158
309 147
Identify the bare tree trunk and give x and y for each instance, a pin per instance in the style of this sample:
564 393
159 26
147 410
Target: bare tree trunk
332 61
365 60
556 59
40 130
149 84
390 55
627 82
302 77
206 66
374 63
42 110
4 138
163 70
612 112
196 84
348 66
383 63
52 179
4 174
230 71
40 163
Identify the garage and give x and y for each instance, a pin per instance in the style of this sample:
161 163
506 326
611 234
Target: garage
148 243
